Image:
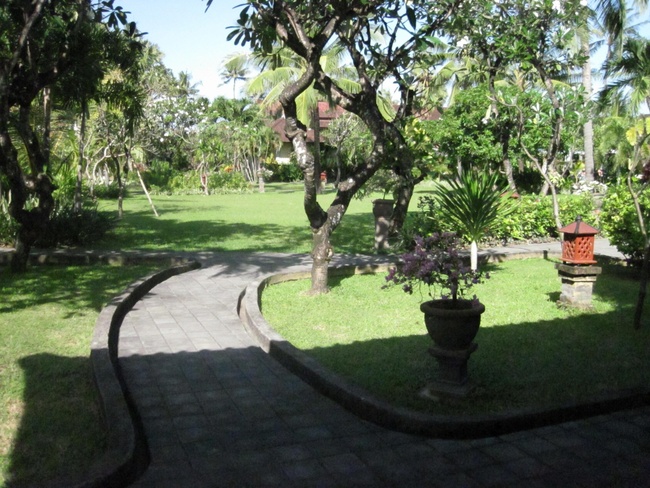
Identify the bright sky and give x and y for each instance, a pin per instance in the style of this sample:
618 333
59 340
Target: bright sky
192 39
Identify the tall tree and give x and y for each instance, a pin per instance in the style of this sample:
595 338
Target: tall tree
535 36
307 28
631 75
234 70
43 41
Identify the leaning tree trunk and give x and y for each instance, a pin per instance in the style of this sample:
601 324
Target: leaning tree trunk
643 284
32 223
317 162
80 164
588 127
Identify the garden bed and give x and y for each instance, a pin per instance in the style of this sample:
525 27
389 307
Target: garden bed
531 353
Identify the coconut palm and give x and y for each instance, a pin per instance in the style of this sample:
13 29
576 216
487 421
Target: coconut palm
631 74
234 70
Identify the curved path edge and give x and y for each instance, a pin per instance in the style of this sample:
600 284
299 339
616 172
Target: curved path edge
362 403
126 454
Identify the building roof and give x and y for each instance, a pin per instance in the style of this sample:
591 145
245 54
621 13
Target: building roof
326 114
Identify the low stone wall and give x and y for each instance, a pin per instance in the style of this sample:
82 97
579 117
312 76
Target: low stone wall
126 455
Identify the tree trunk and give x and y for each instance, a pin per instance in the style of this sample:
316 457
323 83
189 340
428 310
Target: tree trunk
404 195
322 253
80 165
474 256
146 192
588 128
20 256
643 286
47 122
507 169
120 186
317 163
32 223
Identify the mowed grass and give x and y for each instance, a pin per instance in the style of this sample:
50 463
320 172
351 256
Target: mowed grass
273 221
531 353
50 425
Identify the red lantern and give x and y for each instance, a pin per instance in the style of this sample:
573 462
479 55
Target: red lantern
578 243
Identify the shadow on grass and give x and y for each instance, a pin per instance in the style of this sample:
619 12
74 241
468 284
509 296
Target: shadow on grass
142 230
60 431
73 287
527 365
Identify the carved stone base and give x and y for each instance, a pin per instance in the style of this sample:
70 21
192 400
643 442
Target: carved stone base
453 380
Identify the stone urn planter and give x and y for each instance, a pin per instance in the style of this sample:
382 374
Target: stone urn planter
452 328
452 321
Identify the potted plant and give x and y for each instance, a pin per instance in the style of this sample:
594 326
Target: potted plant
436 262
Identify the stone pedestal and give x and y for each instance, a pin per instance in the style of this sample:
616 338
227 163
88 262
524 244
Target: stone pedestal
382 210
577 284
453 380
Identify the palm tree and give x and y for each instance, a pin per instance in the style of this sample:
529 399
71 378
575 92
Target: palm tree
283 67
234 70
631 73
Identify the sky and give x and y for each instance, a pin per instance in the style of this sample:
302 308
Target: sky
192 39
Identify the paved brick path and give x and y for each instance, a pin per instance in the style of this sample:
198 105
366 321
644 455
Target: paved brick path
218 411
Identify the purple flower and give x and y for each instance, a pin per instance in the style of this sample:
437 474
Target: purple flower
436 263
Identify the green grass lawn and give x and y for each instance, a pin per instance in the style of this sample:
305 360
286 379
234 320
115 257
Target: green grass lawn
531 353
273 221
50 424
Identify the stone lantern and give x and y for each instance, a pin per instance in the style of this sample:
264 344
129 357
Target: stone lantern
577 271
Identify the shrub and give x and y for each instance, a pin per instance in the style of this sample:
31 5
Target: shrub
620 222
285 173
189 183
531 219
67 228
228 182
109 192
158 174
8 230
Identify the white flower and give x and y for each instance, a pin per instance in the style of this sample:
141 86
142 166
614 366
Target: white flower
583 3
463 42
557 6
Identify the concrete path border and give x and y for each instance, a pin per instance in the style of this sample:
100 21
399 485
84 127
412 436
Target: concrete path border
363 404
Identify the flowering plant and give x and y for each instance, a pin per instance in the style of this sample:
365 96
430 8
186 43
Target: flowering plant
437 263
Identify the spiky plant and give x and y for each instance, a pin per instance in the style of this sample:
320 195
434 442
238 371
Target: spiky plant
473 201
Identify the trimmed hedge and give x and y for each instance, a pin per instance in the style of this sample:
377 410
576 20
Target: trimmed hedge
532 219
621 224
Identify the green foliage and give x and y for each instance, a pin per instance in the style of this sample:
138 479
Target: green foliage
162 179
284 173
158 174
228 182
621 224
531 218
8 229
68 228
473 202
109 192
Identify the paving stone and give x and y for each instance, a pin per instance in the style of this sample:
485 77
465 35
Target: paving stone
218 411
